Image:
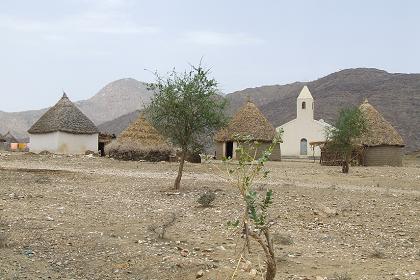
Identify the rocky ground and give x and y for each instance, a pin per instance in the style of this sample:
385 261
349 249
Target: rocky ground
96 218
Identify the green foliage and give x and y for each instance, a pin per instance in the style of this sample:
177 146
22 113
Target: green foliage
186 107
243 173
350 125
206 199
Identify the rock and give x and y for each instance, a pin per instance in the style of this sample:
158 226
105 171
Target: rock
199 274
247 266
185 252
253 272
48 218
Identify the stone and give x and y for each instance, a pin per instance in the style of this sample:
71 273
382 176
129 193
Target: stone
199 274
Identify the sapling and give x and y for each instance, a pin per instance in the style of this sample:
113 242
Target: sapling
254 222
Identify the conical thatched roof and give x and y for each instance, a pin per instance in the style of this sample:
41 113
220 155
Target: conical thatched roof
143 133
379 131
65 117
8 137
247 121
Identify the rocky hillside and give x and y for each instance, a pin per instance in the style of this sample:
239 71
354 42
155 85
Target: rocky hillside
115 99
396 96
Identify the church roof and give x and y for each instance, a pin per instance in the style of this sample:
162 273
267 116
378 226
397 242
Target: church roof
379 131
248 121
305 93
66 117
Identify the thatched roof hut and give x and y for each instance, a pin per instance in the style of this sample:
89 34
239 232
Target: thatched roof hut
65 117
140 141
64 129
9 138
143 133
383 144
248 121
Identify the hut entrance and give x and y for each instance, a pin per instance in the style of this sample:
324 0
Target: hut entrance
229 149
303 147
102 148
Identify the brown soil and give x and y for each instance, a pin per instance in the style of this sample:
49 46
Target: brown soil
97 218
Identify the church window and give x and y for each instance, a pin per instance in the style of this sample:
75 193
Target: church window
304 105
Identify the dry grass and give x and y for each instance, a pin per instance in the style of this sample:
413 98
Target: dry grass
379 131
135 151
247 121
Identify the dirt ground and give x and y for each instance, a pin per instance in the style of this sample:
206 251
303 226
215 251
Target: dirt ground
64 217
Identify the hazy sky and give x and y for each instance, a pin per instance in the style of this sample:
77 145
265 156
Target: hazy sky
81 45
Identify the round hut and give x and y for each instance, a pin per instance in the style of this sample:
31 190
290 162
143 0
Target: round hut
382 144
248 121
9 138
140 141
63 129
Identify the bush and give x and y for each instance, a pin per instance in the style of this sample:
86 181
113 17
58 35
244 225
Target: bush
132 151
206 199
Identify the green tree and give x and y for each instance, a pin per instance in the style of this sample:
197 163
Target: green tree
186 108
342 138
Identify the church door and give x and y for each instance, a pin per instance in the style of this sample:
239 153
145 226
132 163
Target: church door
303 147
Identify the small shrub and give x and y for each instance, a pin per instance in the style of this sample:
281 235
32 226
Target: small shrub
206 199
136 152
160 229
377 253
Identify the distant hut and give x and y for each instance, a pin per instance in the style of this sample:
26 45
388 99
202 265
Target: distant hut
63 129
382 144
10 142
248 121
140 141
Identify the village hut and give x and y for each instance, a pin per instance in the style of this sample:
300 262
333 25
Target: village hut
140 141
247 122
382 144
64 129
9 142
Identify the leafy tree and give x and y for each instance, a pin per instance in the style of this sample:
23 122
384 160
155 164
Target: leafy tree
254 223
342 138
186 108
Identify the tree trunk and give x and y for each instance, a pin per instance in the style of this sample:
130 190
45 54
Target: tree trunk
271 268
181 167
345 167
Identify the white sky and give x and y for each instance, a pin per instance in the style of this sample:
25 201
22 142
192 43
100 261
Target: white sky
81 45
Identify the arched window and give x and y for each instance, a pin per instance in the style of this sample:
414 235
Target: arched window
303 105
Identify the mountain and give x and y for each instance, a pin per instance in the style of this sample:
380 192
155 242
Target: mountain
395 95
115 99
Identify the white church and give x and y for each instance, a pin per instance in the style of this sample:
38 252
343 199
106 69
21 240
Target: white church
298 133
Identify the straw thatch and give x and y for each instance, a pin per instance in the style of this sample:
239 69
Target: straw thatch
248 121
9 138
140 141
379 131
142 132
64 117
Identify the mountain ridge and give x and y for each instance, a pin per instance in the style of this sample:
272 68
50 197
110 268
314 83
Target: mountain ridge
395 95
